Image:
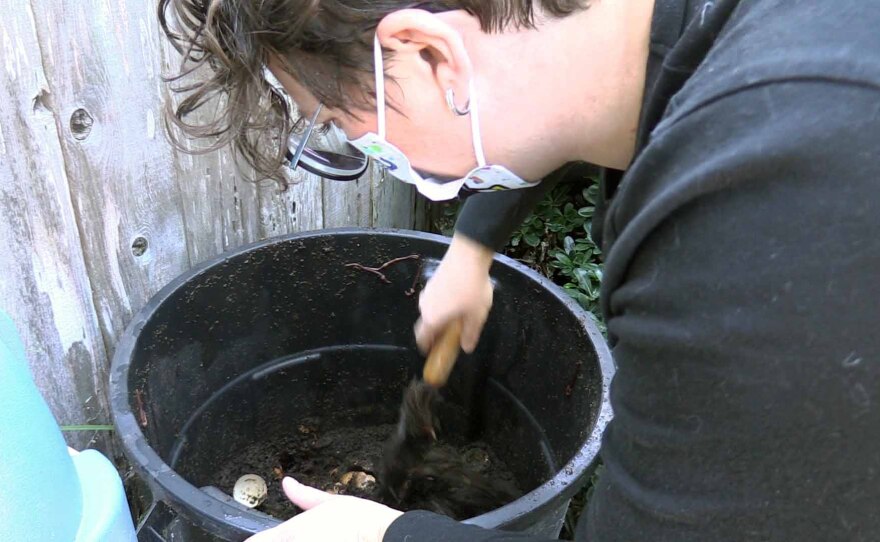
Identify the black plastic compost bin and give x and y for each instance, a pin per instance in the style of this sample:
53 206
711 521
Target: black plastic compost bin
246 345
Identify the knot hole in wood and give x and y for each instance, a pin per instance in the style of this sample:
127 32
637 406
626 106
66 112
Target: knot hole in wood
81 124
139 246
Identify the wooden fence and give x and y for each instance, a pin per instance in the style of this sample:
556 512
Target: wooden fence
98 211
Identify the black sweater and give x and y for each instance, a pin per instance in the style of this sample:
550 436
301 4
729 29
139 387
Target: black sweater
742 284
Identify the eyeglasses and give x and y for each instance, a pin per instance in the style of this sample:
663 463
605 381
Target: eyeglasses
348 165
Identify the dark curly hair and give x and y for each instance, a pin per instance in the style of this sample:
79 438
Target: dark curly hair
326 45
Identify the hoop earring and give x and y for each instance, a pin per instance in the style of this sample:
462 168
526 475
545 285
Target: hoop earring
450 102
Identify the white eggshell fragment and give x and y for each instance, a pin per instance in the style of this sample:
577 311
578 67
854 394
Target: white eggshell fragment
250 490
357 479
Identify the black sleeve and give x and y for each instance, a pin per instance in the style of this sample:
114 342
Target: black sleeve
420 526
490 218
742 295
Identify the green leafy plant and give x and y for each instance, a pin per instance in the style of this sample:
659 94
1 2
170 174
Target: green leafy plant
555 214
555 239
577 261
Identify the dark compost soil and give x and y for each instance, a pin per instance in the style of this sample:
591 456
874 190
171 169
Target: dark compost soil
458 479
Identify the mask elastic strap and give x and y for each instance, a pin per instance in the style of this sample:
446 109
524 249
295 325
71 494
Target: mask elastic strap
379 69
476 135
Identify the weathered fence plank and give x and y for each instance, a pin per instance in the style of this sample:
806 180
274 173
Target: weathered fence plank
388 192
421 210
44 284
347 203
202 183
103 61
220 209
298 208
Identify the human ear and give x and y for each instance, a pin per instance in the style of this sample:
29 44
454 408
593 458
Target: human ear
429 46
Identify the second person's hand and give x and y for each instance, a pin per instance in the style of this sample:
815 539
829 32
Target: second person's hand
327 517
460 288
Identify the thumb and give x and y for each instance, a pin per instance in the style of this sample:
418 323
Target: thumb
304 496
472 328
425 335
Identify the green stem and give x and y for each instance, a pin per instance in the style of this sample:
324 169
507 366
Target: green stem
87 428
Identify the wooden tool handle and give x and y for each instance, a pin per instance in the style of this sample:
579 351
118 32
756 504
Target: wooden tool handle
443 354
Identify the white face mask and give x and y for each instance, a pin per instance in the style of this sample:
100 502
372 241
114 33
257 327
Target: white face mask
483 178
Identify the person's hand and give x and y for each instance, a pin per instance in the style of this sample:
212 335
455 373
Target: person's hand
460 288
329 517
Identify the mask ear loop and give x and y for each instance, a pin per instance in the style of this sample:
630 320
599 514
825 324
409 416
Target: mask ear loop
379 69
476 135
